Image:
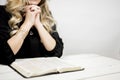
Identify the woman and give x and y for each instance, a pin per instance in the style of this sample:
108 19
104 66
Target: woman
27 30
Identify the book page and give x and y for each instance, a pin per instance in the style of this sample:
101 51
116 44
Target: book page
33 67
63 66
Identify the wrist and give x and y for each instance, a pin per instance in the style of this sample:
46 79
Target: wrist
38 25
21 34
26 27
23 31
27 24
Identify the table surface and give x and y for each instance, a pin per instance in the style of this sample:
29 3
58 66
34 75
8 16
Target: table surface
97 67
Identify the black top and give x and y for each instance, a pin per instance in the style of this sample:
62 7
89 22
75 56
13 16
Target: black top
32 47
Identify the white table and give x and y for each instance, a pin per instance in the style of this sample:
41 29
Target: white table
96 68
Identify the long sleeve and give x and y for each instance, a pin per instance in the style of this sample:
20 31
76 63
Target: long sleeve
6 54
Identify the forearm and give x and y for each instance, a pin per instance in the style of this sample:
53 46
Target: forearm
47 40
17 40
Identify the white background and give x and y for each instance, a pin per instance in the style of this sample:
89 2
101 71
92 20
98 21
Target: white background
88 26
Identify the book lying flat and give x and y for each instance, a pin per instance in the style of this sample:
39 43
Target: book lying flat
32 67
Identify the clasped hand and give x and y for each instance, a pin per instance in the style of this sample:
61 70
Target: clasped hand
32 15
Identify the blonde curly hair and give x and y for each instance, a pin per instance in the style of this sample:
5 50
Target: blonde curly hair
15 8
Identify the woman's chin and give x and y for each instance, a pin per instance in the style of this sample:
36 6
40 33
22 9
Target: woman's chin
34 3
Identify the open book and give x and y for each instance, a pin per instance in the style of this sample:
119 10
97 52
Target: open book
32 67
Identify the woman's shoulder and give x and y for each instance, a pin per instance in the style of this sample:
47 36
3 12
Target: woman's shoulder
2 8
3 13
